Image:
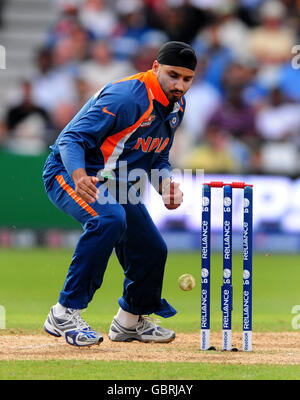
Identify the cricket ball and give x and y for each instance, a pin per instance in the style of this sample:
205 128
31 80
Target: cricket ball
186 282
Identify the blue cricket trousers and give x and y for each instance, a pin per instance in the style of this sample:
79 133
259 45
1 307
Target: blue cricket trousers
129 230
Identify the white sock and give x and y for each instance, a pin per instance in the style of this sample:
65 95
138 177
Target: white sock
59 309
126 319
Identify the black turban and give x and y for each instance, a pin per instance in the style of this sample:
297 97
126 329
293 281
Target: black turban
177 54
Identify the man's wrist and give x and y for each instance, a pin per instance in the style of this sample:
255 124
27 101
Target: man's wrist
78 174
165 185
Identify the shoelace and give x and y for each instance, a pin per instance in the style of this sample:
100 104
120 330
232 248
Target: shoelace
78 320
146 323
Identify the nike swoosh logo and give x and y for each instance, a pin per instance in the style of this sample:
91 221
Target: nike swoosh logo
104 109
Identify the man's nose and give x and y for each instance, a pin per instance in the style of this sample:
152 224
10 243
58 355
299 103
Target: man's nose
179 85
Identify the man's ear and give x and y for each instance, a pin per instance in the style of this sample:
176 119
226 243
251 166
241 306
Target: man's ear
155 66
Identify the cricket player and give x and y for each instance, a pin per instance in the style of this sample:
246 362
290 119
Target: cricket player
129 122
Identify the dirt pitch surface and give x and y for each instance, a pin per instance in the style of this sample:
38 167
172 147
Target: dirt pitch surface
282 348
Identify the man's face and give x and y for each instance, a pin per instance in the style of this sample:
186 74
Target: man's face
174 81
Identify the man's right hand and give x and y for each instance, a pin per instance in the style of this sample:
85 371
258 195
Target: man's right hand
85 186
172 196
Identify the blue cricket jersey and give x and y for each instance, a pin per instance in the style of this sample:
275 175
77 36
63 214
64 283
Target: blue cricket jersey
128 120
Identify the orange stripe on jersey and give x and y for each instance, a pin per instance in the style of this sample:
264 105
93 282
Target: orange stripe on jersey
154 91
77 199
152 84
181 101
111 142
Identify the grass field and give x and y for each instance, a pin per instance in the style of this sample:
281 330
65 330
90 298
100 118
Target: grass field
74 370
31 280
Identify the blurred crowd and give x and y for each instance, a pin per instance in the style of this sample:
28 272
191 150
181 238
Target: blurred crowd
243 110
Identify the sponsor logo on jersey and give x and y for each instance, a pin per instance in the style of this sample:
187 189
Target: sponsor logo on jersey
148 121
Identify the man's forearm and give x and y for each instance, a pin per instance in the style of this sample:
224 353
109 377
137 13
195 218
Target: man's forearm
72 155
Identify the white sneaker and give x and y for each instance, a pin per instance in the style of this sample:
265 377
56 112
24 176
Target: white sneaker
72 327
145 331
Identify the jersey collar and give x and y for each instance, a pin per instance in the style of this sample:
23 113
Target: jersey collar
154 88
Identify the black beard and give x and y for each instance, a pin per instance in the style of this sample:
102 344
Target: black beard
170 106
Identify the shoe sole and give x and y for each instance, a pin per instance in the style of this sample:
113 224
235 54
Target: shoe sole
57 333
132 339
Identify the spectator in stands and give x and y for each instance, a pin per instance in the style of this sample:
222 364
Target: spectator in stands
50 87
232 31
289 80
248 12
103 67
80 41
174 21
235 118
178 19
84 91
271 42
71 49
279 126
279 119
29 126
229 137
203 99
130 29
64 57
234 115
143 59
208 43
214 155
61 116
98 18
67 21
